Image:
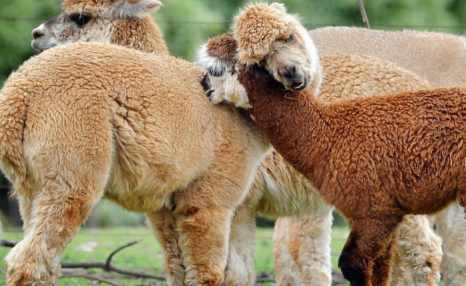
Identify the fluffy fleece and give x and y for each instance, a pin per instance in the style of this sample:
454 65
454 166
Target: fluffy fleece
120 125
284 192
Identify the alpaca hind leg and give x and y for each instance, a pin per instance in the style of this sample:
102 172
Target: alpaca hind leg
308 244
240 270
164 226
367 240
451 225
421 249
58 211
287 272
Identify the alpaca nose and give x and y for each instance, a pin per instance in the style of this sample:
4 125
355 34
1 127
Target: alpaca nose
293 77
36 34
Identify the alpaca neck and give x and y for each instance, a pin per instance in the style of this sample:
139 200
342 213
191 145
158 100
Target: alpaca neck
294 122
140 34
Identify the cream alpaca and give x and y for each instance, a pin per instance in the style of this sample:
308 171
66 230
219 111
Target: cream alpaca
111 127
126 23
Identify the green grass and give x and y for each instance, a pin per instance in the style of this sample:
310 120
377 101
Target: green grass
147 255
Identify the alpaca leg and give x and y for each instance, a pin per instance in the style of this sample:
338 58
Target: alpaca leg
451 225
164 226
382 265
240 268
57 213
308 244
287 272
25 209
368 239
421 249
204 233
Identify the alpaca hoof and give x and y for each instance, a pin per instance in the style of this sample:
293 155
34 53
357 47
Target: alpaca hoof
210 276
27 272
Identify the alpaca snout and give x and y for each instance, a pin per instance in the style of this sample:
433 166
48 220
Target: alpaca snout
293 78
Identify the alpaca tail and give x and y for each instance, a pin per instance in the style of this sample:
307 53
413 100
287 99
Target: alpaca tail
13 105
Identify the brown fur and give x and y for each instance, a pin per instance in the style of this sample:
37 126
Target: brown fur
376 159
91 131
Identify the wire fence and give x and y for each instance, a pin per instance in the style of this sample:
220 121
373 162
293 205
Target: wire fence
307 24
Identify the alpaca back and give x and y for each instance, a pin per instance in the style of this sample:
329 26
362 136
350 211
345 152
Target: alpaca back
438 58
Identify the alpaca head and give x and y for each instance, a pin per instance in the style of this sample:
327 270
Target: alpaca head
267 35
217 57
90 21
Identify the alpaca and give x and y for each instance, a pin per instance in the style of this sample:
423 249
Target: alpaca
437 57
242 233
408 146
440 59
345 75
125 23
111 127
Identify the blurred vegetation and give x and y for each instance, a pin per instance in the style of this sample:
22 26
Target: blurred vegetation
188 23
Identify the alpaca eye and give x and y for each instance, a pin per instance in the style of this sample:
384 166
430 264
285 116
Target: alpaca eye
80 20
290 39
217 72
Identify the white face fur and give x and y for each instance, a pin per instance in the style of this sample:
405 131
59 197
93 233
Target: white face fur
89 25
224 84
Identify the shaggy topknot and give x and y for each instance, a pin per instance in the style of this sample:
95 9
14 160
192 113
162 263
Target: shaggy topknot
257 27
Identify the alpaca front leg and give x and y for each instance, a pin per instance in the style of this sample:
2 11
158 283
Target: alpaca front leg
204 234
57 214
164 226
381 269
368 239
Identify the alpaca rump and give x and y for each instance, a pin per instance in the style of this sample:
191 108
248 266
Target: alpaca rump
375 159
279 190
111 127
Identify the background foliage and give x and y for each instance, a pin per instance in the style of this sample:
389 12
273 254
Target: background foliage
187 23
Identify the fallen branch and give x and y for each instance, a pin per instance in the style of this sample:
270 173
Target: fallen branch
107 266
7 243
90 277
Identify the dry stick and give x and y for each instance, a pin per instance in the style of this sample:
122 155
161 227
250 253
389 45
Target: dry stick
90 277
7 243
107 266
363 13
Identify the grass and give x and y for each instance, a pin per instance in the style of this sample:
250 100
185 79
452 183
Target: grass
94 245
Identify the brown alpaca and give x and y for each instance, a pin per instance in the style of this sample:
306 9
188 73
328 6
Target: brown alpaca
376 159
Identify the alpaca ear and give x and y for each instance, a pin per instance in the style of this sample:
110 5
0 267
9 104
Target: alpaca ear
279 6
135 8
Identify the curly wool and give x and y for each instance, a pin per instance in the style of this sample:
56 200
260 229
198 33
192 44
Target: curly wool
257 26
